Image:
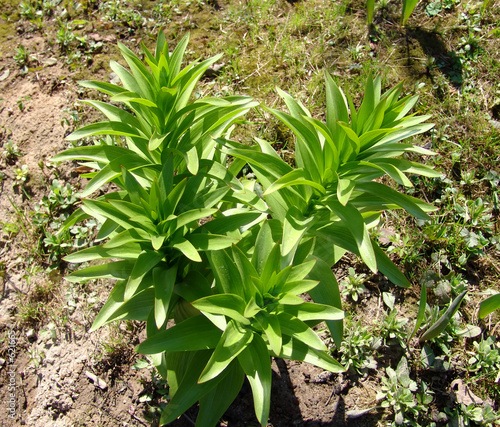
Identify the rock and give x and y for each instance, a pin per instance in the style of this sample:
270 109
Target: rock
97 381
49 62
213 71
4 75
31 335
114 79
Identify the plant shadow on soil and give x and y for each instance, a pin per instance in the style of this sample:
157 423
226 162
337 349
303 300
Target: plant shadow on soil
321 404
433 46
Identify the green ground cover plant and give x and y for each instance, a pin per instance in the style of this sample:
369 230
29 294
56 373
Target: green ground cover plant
226 258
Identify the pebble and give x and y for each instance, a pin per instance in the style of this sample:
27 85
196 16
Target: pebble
96 380
31 335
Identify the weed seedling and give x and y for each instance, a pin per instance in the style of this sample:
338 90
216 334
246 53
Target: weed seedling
358 348
10 151
397 392
21 176
21 56
486 356
353 285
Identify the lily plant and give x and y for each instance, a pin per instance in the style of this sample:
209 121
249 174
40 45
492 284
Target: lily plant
218 266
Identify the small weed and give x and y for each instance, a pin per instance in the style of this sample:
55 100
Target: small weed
399 392
21 176
485 357
10 152
10 229
21 56
358 348
472 415
65 37
353 285
21 102
34 307
393 328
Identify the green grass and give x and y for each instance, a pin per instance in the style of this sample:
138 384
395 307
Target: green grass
451 60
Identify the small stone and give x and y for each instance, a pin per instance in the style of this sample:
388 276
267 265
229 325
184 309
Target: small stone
2 361
4 75
97 381
49 62
213 71
31 335
114 79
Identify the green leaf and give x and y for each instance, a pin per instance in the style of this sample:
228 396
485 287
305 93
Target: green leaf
194 333
408 7
217 400
164 281
293 178
389 269
298 287
195 285
126 251
98 153
124 238
263 247
247 271
308 153
113 170
136 213
116 114
115 300
110 270
136 308
210 242
256 363
297 350
443 321
156 140
105 128
489 305
421 311
344 190
336 105
314 311
146 261
392 196
190 216
271 268
173 198
270 324
187 248
107 88
294 228
102 209
229 305
356 224
189 391
233 341
297 329
327 292
226 224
